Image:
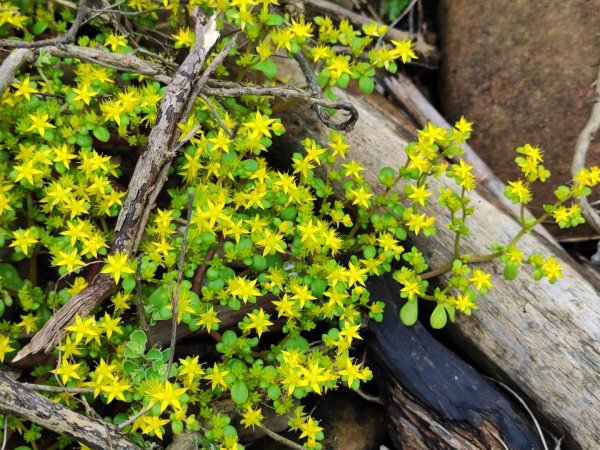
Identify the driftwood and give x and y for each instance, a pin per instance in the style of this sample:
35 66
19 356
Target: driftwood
18 400
435 400
542 339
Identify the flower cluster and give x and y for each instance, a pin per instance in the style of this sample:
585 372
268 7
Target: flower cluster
273 257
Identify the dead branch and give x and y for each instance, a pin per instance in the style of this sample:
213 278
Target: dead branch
11 65
116 61
18 400
146 182
66 38
214 88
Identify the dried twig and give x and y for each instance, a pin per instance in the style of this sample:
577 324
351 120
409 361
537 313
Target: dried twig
11 65
5 432
279 438
317 93
175 298
146 182
46 388
117 61
524 404
396 22
66 38
21 401
139 301
213 109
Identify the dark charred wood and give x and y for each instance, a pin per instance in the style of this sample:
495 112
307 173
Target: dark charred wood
435 400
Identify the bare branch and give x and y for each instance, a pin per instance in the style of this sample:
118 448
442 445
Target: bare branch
146 182
21 401
116 61
11 65
65 38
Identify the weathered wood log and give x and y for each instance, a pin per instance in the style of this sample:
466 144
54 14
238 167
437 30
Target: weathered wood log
21 401
435 400
542 338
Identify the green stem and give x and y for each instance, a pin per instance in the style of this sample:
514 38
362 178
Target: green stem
448 266
463 218
104 225
33 260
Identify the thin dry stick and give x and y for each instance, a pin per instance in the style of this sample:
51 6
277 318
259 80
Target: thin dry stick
281 439
5 433
500 440
146 182
174 312
71 390
216 61
524 404
581 148
175 298
369 397
11 65
213 109
318 94
65 38
139 301
395 22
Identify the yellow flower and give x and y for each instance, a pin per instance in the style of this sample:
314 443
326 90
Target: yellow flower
115 41
116 265
259 126
361 196
552 269
404 50
39 122
84 94
184 38
4 347
217 377
481 279
24 88
252 417
67 259
24 239
272 242
167 396
68 371
259 321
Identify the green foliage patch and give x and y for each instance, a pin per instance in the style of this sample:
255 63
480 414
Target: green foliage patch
280 241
